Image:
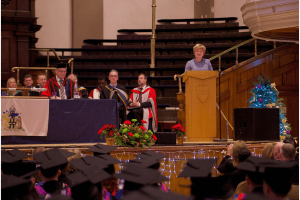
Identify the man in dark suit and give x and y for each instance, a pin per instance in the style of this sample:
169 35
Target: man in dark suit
116 91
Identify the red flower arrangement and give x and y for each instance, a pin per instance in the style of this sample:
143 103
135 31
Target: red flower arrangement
132 134
107 130
180 130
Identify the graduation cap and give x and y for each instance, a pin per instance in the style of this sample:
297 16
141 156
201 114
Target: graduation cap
50 158
24 169
150 154
66 153
279 175
137 177
152 193
11 186
12 156
198 168
143 163
99 149
62 65
254 168
109 161
88 162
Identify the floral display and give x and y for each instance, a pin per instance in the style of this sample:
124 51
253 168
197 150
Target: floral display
107 130
131 134
180 130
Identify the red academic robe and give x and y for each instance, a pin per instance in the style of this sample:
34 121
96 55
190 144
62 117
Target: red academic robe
148 95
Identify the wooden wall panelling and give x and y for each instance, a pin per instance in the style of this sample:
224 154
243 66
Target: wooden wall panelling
8 54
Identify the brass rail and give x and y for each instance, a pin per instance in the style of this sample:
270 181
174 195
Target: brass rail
31 68
69 60
222 53
152 73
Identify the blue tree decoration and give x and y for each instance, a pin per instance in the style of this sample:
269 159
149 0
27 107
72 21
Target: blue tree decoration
265 95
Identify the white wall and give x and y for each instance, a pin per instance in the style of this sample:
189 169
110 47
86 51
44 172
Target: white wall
229 8
130 14
55 16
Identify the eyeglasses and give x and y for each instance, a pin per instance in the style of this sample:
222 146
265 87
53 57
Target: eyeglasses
62 71
113 75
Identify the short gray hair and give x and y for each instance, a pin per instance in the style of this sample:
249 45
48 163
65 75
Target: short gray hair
113 70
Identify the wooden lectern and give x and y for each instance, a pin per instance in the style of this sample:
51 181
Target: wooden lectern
200 102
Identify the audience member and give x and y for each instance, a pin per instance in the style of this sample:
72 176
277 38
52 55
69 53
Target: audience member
268 151
287 152
82 90
277 179
36 175
95 93
11 83
143 105
41 80
28 82
59 87
116 91
277 150
198 63
239 152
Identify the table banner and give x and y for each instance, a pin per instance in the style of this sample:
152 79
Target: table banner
24 117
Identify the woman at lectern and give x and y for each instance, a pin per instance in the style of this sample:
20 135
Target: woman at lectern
11 83
198 63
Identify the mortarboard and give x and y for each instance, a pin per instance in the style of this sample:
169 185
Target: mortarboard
101 149
152 193
50 158
143 163
12 156
150 154
66 153
198 168
11 186
61 65
108 160
88 162
141 176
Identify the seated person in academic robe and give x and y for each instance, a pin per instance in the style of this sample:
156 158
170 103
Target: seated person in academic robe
142 104
116 91
95 93
11 83
63 87
82 90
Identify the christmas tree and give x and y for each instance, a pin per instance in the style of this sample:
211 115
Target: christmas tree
265 95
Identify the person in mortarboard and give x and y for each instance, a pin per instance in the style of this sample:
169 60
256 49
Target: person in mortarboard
143 105
116 91
87 182
16 170
63 87
102 152
204 186
136 177
254 177
50 162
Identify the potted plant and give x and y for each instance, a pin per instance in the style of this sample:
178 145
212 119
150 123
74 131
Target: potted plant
108 131
132 134
180 133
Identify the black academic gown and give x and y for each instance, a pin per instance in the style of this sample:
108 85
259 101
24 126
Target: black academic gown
105 93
